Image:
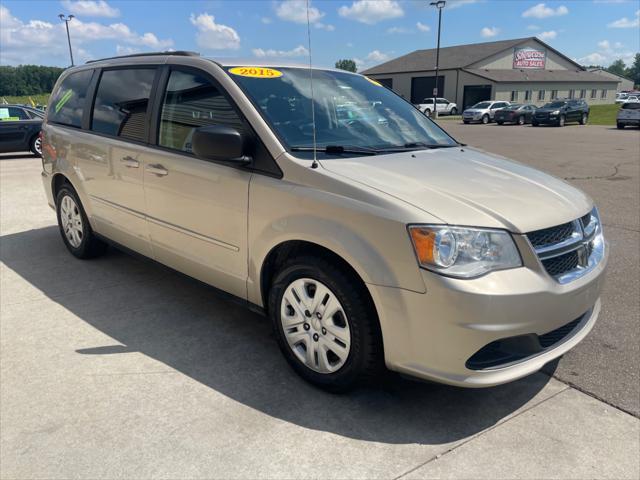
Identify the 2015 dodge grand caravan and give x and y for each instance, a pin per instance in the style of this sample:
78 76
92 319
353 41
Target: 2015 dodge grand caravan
368 235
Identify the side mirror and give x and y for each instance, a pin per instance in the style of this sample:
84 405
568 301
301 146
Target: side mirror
222 143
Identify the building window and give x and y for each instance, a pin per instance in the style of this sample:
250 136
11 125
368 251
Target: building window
527 95
554 94
514 95
583 93
594 93
541 94
603 94
572 93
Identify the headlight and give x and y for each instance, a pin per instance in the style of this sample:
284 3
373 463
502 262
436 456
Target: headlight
463 252
555 112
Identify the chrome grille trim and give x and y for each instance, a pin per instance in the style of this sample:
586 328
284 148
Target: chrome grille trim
578 250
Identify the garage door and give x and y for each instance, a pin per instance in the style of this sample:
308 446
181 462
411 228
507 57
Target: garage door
474 94
422 87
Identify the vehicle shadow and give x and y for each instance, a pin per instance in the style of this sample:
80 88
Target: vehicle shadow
182 323
16 156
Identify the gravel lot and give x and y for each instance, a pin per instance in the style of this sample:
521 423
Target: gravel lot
119 368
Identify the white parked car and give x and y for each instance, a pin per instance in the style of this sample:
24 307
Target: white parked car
632 99
483 112
443 107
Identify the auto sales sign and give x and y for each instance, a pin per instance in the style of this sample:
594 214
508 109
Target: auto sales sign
529 58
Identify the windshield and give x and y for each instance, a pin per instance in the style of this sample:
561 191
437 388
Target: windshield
350 110
482 105
555 104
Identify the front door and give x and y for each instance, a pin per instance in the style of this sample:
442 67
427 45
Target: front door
14 127
197 209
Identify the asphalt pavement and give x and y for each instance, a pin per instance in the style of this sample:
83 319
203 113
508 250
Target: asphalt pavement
120 368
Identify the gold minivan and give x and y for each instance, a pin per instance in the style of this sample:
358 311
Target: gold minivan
367 234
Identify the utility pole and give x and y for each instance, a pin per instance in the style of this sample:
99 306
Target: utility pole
66 21
439 4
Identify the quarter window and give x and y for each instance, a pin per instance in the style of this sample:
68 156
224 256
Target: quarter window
120 108
67 104
191 101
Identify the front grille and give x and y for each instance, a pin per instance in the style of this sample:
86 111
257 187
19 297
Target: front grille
549 236
513 349
562 263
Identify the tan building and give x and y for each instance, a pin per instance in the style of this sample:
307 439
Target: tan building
524 70
624 84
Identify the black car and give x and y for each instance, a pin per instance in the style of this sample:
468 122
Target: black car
559 112
20 129
515 113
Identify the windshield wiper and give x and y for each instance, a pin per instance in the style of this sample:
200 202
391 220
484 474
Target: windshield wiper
337 149
416 146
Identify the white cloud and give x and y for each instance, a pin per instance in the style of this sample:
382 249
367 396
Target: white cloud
325 26
265 20
371 11
299 51
489 32
550 35
394 30
296 11
39 41
624 22
122 50
91 8
460 3
377 56
212 35
422 27
606 53
542 11
533 27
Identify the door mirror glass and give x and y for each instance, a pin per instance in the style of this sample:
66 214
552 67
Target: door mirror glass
221 143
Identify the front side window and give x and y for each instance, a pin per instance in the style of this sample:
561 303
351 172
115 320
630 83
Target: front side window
349 110
11 114
191 101
121 104
67 102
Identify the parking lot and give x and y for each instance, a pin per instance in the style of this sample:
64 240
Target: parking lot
120 368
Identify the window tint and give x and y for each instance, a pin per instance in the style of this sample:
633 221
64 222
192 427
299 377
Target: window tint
67 104
191 101
120 108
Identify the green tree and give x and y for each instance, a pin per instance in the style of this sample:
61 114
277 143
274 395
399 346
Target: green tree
27 79
618 67
347 64
633 72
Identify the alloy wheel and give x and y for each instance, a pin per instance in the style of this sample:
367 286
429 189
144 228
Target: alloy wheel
37 145
71 220
315 325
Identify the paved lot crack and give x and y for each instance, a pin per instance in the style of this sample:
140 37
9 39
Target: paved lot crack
478 435
616 171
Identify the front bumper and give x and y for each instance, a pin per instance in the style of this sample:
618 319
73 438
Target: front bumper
628 121
433 335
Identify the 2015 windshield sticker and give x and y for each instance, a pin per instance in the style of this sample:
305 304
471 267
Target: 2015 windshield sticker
374 82
256 72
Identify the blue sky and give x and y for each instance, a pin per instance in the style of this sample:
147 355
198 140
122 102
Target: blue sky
370 31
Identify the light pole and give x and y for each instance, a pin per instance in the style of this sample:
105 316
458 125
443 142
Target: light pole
66 21
439 4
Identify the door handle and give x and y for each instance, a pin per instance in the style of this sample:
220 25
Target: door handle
157 170
130 162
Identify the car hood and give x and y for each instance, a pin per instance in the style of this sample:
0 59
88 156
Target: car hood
548 110
465 186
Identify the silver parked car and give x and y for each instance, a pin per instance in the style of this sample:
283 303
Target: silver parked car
628 115
483 112
368 235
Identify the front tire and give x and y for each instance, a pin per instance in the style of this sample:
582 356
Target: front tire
534 124
500 122
485 119
427 112
583 119
454 111
561 121
466 122
325 324
520 120
620 126
75 229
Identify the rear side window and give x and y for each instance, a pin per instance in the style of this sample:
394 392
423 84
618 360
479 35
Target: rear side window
67 104
192 101
121 104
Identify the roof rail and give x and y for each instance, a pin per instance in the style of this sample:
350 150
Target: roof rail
178 53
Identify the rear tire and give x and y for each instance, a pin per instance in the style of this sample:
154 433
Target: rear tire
75 229
353 331
35 145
